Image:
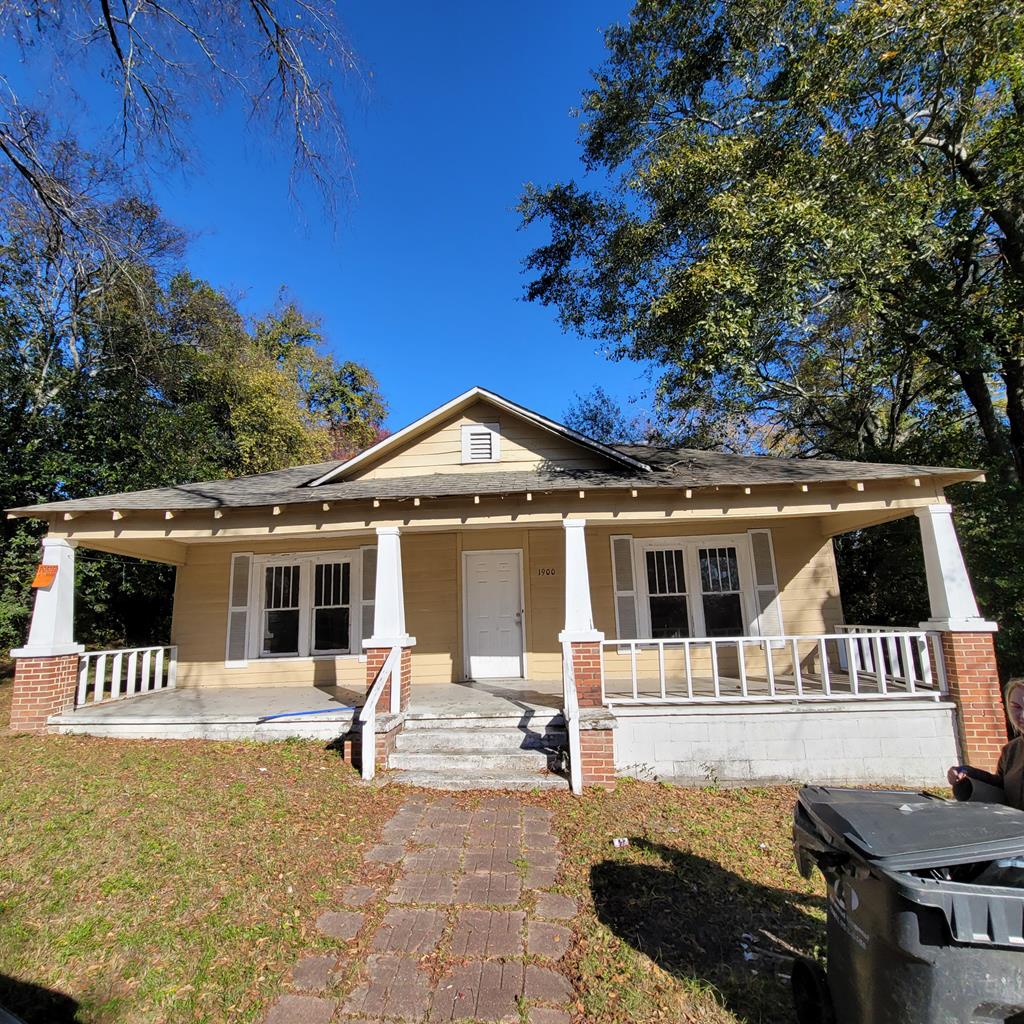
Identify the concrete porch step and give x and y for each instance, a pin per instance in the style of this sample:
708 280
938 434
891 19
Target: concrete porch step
472 739
534 721
471 762
478 780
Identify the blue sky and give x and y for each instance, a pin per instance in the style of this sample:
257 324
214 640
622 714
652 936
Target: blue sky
420 278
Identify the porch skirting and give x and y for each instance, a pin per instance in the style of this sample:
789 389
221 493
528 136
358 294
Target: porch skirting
909 743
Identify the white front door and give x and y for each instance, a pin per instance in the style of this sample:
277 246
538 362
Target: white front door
494 614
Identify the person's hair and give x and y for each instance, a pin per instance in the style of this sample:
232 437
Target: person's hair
1011 685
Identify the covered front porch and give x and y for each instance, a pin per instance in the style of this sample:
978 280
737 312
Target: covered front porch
589 627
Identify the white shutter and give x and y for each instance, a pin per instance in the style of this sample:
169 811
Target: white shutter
625 589
766 584
368 590
235 652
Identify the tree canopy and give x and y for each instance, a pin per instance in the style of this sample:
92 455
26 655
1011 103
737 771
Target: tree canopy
120 370
814 212
807 216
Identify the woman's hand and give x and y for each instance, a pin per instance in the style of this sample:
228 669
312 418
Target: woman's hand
955 774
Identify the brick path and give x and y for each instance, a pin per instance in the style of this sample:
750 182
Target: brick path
457 928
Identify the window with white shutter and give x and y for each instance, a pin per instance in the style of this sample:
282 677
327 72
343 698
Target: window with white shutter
306 604
235 653
481 442
625 588
766 584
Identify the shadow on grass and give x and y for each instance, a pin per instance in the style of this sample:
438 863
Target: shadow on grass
705 924
34 1004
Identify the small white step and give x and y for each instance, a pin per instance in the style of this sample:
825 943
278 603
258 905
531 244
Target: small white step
470 762
471 739
479 780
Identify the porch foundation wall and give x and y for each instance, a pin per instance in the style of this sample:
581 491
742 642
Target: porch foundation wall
42 687
910 745
972 677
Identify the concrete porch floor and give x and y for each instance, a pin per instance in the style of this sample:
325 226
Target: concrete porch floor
280 712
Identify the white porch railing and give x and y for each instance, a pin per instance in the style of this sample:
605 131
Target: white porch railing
368 712
571 713
114 675
847 665
882 645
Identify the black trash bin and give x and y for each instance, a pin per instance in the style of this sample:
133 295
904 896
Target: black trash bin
916 934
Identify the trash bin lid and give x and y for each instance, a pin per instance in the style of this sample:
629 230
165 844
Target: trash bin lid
903 831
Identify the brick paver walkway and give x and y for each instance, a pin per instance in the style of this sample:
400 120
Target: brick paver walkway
458 927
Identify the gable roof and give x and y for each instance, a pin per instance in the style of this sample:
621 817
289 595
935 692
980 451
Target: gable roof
392 442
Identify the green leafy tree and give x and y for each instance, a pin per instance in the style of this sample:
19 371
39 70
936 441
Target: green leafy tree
793 182
118 374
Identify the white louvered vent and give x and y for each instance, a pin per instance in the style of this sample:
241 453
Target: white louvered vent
481 442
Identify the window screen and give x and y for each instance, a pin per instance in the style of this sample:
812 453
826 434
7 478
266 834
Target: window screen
720 591
281 609
666 587
332 605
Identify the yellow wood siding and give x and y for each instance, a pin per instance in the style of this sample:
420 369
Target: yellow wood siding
199 624
433 595
524 446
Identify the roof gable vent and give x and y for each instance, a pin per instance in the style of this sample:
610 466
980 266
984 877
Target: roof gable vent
481 442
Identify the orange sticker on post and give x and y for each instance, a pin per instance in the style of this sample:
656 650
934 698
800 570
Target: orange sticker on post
45 575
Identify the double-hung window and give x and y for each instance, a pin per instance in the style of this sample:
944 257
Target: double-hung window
332 608
282 610
666 593
688 587
721 591
304 604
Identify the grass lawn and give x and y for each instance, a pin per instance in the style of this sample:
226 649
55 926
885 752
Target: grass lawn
168 881
675 925
179 882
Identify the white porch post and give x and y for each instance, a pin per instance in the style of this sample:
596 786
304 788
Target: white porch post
579 616
389 594
51 633
953 607
589 724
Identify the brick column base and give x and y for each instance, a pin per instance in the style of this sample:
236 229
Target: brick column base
586 666
350 746
375 658
42 687
973 679
597 757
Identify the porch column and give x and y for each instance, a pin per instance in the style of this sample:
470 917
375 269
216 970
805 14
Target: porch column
967 640
582 645
46 668
389 622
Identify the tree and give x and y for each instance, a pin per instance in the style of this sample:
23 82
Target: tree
601 417
798 187
116 380
157 61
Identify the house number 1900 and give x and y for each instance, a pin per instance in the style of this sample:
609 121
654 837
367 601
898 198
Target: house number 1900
545 572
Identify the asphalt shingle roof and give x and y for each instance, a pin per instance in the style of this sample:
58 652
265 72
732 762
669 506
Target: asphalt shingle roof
670 468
